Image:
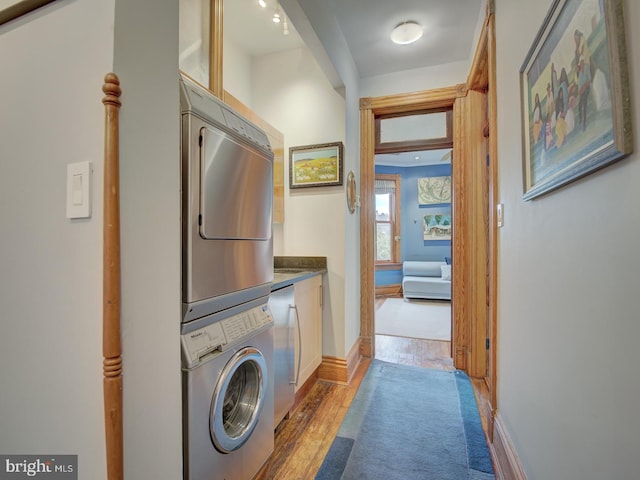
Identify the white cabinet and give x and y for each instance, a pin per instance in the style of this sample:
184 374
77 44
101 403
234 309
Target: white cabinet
308 335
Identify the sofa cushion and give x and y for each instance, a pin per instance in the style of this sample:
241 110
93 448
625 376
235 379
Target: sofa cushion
426 287
422 269
446 272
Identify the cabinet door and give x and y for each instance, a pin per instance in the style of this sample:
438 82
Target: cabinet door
308 297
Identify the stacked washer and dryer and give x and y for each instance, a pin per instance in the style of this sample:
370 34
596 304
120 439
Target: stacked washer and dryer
227 271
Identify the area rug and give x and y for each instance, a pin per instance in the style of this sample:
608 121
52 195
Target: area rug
410 423
427 319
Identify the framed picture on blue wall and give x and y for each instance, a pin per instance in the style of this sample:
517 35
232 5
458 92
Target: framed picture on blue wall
434 190
436 226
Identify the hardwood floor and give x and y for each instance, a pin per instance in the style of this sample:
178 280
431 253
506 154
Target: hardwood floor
303 439
414 351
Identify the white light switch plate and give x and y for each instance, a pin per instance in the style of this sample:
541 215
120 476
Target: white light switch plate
79 190
500 214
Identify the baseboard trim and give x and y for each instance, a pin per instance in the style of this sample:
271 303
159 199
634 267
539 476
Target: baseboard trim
505 457
303 391
388 290
340 370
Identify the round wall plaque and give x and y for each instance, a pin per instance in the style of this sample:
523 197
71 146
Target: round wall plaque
351 192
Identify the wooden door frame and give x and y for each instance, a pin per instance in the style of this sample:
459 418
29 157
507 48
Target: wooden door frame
371 107
482 77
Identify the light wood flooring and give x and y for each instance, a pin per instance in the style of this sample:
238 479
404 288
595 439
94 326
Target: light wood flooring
303 439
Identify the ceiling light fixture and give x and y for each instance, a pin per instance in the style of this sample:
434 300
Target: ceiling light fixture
276 17
406 33
262 3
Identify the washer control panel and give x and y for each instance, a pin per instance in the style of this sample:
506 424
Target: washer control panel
219 336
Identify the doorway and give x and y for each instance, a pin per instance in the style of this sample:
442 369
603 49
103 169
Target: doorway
413 229
474 346
469 286
372 108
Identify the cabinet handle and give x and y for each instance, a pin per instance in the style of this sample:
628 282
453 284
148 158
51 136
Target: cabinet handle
295 382
321 296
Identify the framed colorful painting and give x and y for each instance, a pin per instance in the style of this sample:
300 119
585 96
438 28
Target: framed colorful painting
575 95
315 165
436 226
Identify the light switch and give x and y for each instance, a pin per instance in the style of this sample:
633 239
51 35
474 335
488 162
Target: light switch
79 190
500 214
76 190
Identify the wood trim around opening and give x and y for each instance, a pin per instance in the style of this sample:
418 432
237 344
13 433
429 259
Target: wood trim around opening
370 107
216 47
417 144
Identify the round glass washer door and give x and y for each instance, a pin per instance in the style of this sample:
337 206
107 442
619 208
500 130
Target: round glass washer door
238 399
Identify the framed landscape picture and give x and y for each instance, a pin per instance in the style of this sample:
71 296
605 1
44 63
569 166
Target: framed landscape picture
315 165
575 95
434 190
437 226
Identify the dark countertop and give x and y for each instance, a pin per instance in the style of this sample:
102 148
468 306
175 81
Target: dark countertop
289 270
283 277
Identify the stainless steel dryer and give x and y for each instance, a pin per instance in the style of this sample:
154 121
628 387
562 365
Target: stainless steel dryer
228 394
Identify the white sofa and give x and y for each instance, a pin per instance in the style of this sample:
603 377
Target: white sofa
426 280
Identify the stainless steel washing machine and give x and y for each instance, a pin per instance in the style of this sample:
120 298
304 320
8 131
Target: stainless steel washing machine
228 394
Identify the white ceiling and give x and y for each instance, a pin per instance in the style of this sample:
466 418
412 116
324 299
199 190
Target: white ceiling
449 31
251 28
451 27
412 159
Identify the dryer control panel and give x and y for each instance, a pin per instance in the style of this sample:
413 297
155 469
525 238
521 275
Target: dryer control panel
221 335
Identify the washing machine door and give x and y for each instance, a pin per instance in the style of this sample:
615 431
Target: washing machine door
238 399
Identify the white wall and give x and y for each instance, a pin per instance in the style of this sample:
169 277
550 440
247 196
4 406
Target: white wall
146 59
416 80
284 88
294 96
568 285
53 65
352 220
54 62
236 72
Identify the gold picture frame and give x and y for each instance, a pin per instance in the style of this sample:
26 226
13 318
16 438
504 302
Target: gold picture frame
351 192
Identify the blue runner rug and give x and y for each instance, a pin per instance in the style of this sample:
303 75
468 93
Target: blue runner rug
409 423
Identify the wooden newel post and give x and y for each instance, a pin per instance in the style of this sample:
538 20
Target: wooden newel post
111 344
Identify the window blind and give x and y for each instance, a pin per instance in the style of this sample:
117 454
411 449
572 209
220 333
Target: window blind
385 186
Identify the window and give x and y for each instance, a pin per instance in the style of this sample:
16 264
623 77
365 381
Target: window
387 219
416 131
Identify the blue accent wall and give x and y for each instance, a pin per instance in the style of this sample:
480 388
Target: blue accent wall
414 247
388 277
